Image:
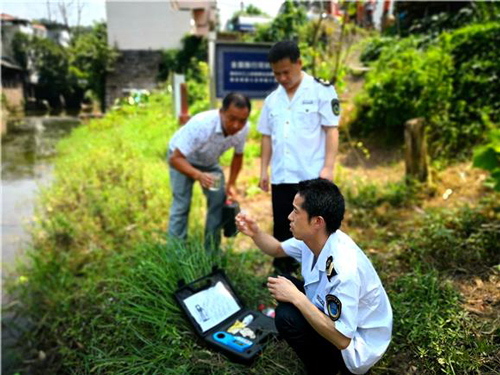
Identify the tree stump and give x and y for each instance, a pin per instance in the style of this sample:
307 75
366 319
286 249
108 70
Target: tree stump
416 150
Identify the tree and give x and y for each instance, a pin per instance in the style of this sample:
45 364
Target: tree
285 26
91 59
185 60
50 62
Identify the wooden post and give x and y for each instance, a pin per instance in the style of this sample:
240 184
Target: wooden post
184 116
416 150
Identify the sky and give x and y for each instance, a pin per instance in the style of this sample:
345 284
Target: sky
95 10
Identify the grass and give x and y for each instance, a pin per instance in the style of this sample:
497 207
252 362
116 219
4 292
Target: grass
432 331
97 287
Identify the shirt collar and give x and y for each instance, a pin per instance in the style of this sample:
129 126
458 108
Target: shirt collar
327 251
304 86
218 124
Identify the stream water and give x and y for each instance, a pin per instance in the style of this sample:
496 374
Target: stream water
28 150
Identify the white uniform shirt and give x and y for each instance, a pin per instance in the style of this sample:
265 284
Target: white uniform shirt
295 128
202 140
366 314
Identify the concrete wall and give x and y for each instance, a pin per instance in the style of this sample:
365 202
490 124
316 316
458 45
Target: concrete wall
143 25
133 70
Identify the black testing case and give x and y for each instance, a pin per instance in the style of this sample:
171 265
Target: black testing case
262 325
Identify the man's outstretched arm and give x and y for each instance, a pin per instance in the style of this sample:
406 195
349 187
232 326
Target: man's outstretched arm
267 243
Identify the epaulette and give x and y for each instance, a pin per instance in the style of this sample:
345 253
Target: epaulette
323 81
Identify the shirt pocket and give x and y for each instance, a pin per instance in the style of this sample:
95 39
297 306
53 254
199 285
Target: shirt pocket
307 116
276 121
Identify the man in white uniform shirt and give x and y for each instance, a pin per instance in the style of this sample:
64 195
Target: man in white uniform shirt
339 318
299 134
194 153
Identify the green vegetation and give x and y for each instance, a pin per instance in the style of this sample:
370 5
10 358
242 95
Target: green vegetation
91 59
488 157
447 81
431 329
75 73
285 26
429 321
465 240
97 287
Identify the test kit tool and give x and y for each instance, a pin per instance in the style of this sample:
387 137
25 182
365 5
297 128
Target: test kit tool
220 319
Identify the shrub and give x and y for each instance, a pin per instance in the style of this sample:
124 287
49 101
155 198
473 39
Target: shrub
488 157
374 47
449 81
406 82
459 240
476 98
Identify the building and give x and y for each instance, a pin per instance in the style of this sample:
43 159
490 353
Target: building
11 26
141 31
12 86
58 33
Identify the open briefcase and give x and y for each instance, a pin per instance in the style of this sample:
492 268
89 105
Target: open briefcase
220 319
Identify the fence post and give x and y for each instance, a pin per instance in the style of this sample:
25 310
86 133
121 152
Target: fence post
416 150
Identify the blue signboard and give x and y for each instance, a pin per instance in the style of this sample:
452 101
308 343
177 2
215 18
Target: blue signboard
243 67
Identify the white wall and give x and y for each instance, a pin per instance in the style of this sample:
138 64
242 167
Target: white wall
143 25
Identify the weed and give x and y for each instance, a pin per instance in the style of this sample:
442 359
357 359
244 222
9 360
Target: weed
463 240
430 324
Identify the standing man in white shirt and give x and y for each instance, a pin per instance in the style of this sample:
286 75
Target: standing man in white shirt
298 123
194 153
339 318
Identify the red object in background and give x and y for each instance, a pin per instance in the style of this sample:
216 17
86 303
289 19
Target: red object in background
267 311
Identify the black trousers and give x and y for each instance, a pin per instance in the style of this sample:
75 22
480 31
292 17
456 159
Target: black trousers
318 354
282 198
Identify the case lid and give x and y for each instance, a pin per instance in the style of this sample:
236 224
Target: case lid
209 301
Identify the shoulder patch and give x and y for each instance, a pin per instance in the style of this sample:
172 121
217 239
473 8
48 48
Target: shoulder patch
335 107
334 307
324 82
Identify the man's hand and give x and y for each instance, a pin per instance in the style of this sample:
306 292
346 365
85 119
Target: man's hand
231 193
246 225
206 180
283 289
326 173
264 181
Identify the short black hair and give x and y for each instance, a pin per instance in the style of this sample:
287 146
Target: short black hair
323 198
283 50
238 100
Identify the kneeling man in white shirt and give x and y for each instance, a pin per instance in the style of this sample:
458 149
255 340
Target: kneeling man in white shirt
339 318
